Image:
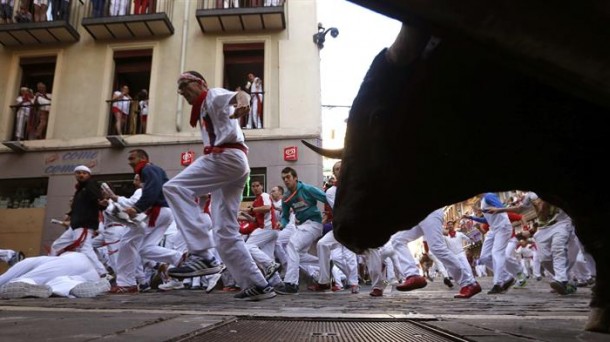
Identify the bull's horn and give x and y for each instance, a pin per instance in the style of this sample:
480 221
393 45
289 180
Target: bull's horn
408 45
334 154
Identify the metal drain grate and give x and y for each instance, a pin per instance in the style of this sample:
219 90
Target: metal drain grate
267 330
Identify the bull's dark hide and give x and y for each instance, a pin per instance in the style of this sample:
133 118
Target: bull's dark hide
563 41
462 122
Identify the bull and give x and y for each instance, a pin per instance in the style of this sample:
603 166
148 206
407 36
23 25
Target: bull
443 123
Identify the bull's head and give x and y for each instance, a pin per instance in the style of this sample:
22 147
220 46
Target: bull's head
416 117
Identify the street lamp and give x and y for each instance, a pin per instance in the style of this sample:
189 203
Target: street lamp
320 37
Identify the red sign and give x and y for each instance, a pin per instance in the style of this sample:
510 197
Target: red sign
291 153
187 158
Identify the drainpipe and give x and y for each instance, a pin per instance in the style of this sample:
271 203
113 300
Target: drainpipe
185 27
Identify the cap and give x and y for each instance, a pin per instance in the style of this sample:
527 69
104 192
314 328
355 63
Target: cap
82 168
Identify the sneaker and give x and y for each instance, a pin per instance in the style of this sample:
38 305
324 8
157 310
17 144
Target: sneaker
521 281
317 287
563 288
255 293
124 289
22 290
508 284
520 284
196 267
448 282
538 278
469 290
376 292
17 256
90 289
144 287
413 282
172 284
591 281
271 269
496 289
355 289
212 282
287 288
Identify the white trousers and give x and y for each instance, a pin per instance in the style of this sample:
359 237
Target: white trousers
112 240
552 243
6 254
69 237
297 249
119 7
223 175
431 228
493 254
283 237
62 272
345 259
140 243
261 245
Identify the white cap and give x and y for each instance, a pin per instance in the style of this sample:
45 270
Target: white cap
82 168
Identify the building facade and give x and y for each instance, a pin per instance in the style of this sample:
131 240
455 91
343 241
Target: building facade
85 58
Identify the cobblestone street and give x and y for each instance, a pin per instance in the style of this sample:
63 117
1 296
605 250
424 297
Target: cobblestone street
528 314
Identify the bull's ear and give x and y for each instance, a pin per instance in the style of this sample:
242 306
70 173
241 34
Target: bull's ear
334 154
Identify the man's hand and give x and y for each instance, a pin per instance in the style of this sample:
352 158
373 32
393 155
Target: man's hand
243 105
132 212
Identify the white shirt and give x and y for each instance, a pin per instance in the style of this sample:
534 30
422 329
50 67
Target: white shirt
215 118
456 243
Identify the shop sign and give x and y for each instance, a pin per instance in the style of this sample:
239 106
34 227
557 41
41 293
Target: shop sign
291 153
187 158
66 162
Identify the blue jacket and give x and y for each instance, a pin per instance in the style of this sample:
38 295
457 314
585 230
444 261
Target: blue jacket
304 204
153 178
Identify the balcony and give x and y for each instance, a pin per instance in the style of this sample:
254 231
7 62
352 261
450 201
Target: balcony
30 31
220 16
129 23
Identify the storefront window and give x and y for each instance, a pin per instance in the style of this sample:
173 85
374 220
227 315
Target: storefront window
23 193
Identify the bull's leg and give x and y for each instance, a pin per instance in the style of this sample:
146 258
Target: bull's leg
596 242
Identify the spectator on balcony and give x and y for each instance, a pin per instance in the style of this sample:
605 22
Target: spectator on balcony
40 10
255 86
60 9
98 8
121 102
227 4
23 15
142 6
42 101
6 11
119 7
143 106
24 106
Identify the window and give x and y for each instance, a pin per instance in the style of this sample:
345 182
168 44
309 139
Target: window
23 193
244 69
33 104
258 174
128 104
121 184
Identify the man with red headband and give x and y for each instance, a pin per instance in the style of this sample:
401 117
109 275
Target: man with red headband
222 171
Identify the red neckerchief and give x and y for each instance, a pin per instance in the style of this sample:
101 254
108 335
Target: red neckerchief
139 166
196 108
452 233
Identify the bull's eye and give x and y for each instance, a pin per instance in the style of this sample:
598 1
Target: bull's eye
376 117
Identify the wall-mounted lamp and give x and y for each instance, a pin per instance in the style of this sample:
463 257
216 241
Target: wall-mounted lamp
320 37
